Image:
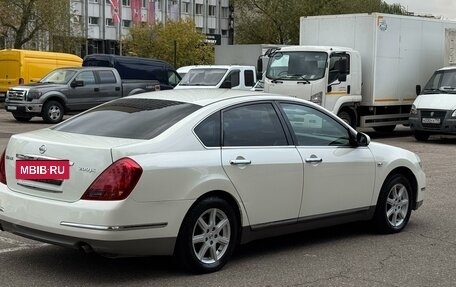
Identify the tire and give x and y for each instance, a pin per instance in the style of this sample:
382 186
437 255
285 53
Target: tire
22 119
52 112
394 205
346 117
201 246
385 129
421 136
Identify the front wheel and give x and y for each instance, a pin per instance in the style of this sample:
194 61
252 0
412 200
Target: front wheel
208 236
52 112
347 117
394 204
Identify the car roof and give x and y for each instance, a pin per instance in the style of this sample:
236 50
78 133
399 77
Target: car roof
204 97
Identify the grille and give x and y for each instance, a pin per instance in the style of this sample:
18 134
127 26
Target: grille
432 114
16 95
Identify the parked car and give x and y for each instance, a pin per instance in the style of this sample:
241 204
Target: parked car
70 90
182 71
211 168
434 110
20 67
219 76
137 68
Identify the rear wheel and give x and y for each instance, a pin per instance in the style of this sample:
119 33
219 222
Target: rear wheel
421 136
208 236
52 112
394 205
384 129
22 118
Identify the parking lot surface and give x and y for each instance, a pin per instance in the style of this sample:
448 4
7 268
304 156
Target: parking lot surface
424 254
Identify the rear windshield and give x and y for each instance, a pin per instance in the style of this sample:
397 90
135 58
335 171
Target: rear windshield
129 118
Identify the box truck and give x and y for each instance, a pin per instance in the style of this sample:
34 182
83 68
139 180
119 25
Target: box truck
19 67
363 67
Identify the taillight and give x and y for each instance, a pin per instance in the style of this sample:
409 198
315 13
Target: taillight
3 168
21 81
116 182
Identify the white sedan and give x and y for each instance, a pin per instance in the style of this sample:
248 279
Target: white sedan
195 172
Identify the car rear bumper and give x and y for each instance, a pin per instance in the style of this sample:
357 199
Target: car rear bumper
116 228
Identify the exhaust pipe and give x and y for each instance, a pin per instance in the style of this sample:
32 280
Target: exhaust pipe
86 248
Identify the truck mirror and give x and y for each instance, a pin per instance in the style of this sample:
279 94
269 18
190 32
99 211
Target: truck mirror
259 65
343 66
76 83
418 90
342 77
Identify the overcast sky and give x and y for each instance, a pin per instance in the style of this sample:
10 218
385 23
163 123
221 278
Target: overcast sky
445 8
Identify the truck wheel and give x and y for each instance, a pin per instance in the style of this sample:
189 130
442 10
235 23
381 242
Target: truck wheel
22 118
421 136
52 112
385 129
346 117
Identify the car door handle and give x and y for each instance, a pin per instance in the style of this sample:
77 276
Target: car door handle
117 88
240 161
96 89
314 159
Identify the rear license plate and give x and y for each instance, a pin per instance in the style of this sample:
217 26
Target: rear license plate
42 169
430 121
11 108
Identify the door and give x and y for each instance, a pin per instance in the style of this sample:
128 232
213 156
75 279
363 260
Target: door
86 96
339 79
265 170
110 89
338 177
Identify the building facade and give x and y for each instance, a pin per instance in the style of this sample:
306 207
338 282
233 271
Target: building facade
104 22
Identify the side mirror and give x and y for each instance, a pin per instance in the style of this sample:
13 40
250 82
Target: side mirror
226 84
342 77
259 66
418 90
75 84
362 139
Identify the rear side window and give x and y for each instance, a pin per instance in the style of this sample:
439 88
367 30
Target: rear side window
208 131
248 75
129 118
106 77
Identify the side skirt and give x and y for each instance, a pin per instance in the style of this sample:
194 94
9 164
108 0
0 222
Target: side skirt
277 228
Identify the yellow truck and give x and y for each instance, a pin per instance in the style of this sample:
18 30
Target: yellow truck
19 67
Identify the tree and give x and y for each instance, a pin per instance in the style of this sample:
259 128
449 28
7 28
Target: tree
158 41
27 20
277 21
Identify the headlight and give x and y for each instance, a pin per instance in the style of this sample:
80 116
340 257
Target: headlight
413 110
316 98
453 115
32 94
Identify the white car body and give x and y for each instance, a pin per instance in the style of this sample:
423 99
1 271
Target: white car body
179 170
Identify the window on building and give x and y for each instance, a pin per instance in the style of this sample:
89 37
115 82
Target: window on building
185 7
109 22
211 31
93 20
199 9
224 32
144 3
199 29
159 5
126 23
225 12
212 10
126 2
94 1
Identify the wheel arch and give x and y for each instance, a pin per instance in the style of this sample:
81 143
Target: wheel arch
407 173
57 98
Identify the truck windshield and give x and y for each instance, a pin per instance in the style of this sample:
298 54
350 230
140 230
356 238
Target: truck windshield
203 77
302 65
60 76
443 81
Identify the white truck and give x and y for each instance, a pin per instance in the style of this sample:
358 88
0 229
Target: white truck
365 68
434 110
219 76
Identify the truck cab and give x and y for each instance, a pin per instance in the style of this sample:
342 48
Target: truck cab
219 76
328 76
